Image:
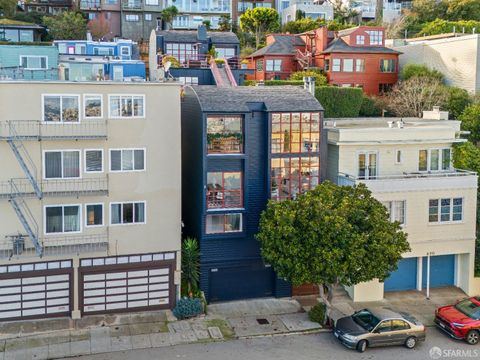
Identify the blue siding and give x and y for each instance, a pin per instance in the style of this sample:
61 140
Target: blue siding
404 278
442 271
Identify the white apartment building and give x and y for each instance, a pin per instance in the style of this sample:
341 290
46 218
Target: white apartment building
406 163
288 10
90 205
392 9
192 13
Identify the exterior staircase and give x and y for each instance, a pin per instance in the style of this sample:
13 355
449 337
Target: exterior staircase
304 59
28 222
223 76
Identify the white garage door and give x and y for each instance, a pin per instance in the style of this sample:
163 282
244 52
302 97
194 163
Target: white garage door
127 286
35 290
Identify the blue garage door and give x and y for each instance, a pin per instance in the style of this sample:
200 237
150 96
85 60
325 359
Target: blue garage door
241 282
404 278
442 271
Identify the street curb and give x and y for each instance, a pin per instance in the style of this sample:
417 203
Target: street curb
305 332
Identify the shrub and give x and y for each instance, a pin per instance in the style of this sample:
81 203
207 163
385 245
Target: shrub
370 107
416 70
187 308
458 100
320 79
317 313
173 60
340 102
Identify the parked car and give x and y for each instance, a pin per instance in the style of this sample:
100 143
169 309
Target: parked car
378 327
461 321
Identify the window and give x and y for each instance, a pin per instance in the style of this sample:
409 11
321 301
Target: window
62 219
182 51
396 209
398 157
445 210
224 135
148 17
295 133
223 223
151 2
93 215
62 48
398 325
360 65
127 213
376 37
259 65
347 65
125 50
225 53
94 161
387 65
31 62
131 17
293 176
188 80
224 190
360 40
274 65
127 106
336 65
383 88
93 106
61 108
80 49
367 165
384 326
61 164
127 160
327 65
104 51
434 159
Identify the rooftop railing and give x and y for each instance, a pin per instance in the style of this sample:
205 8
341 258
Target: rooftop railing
20 73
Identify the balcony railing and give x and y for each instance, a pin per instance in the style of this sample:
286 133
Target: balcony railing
90 4
17 245
38 130
132 5
55 187
202 6
20 73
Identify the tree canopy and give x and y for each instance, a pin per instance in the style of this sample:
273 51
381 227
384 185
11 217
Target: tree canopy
8 7
471 122
70 25
259 21
416 70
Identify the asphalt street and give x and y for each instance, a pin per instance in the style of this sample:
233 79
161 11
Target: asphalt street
300 347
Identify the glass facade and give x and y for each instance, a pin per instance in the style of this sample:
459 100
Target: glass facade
295 133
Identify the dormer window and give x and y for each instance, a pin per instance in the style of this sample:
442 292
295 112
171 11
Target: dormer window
360 40
376 37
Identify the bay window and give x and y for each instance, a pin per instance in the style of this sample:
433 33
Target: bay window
295 133
224 190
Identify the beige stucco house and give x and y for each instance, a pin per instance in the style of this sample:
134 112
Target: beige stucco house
406 163
90 218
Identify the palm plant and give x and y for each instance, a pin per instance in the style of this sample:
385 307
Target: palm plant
190 264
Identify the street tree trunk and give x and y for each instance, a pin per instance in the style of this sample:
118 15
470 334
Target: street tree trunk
326 294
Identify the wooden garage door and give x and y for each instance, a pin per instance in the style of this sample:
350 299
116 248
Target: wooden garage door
35 290
127 286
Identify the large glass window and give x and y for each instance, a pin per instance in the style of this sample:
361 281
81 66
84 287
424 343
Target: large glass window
181 51
224 135
293 176
127 160
226 53
62 219
274 65
223 223
295 132
224 190
127 213
127 106
434 159
61 164
396 209
61 108
336 65
445 210
367 165
376 37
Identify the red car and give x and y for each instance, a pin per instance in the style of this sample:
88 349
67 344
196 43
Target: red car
461 321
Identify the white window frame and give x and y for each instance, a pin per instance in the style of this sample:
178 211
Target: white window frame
390 205
61 160
85 96
63 219
133 150
224 232
86 215
339 64
360 40
440 159
121 212
61 109
34 56
367 161
274 63
85 162
439 211
396 157
131 17
110 96
126 47
352 63
362 61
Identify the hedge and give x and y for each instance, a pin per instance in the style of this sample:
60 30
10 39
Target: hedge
339 101
274 82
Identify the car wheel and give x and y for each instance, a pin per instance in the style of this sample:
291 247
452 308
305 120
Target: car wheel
472 337
362 346
411 342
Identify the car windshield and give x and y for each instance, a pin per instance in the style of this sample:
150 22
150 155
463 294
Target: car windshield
469 308
365 319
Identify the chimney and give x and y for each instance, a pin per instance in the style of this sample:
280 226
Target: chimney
202 33
435 114
309 84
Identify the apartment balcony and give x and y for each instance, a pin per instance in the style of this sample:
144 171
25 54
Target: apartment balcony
19 245
414 181
97 186
90 4
20 73
38 130
132 5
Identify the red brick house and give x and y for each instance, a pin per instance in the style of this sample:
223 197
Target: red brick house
355 57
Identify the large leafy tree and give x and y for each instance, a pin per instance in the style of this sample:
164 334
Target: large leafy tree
463 10
471 122
68 26
331 235
8 8
259 21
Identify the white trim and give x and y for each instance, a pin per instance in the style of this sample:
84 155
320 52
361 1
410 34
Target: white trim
127 47
34 56
61 106
63 219
85 117
127 117
61 159
439 211
121 212
133 150
85 162
366 152
86 215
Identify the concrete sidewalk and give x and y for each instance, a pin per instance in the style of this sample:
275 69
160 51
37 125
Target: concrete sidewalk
103 334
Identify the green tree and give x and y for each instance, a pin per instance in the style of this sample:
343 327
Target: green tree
168 14
225 23
428 10
332 234
320 79
299 14
463 10
259 21
416 70
441 26
70 25
207 24
457 101
470 119
8 8
190 264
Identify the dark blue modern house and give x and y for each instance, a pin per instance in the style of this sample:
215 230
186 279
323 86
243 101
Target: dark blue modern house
242 146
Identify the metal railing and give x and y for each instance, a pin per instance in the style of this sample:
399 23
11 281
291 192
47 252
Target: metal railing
20 73
231 77
38 130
